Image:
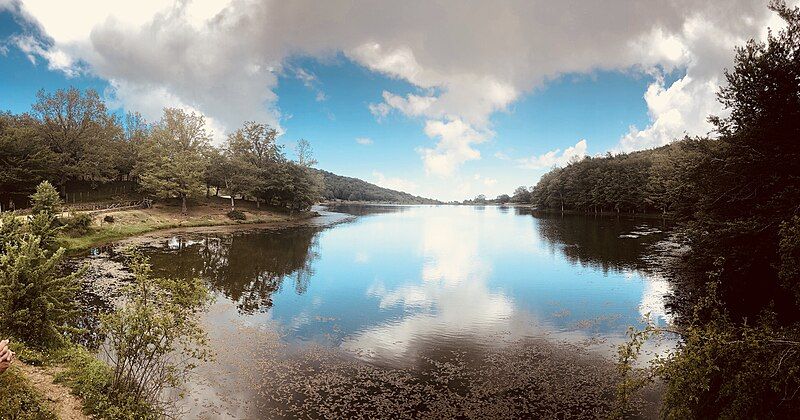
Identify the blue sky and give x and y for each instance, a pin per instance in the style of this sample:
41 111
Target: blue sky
426 109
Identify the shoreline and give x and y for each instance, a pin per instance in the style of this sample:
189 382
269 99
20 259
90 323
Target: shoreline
161 218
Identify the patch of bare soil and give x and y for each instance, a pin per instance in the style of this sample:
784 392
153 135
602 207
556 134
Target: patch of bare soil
57 396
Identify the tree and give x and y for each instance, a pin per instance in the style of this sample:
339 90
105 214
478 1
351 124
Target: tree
37 304
241 167
740 340
24 160
214 175
77 127
172 161
521 195
46 200
135 132
503 199
748 182
305 154
156 339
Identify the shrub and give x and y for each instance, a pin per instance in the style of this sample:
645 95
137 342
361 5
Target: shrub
236 215
36 304
91 379
10 230
79 223
108 219
154 341
44 226
46 199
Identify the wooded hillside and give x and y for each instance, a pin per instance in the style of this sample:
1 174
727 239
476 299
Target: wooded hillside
339 187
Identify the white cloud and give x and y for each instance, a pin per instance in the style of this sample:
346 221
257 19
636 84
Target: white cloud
554 158
364 141
468 62
393 183
502 156
311 82
55 58
454 147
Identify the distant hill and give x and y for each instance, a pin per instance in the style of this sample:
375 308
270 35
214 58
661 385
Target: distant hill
339 187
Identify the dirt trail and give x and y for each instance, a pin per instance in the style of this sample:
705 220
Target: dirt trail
65 405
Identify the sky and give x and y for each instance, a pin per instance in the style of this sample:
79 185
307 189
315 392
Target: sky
445 99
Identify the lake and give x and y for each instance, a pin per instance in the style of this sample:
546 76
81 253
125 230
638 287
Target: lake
417 311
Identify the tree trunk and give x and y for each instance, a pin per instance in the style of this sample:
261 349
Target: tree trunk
233 204
183 204
258 203
216 191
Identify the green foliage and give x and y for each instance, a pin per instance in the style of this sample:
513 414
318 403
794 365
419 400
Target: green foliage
10 230
292 186
46 200
79 224
724 370
652 181
46 227
243 167
24 159
521 195
631 378
337 187
91 380
154 341
77 127
19 400
172 162
37 304
739 353
236 215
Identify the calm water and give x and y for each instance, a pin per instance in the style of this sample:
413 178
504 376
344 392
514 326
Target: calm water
395 287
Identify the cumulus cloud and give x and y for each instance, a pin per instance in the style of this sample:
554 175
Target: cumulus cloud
55 58
467 62
364 141
555 157
454 147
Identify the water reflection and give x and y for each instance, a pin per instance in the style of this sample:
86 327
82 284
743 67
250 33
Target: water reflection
246 268
416 276
407 286
607 243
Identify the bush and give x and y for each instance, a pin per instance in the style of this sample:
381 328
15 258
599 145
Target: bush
108 219
154 341
46 199
91 380
236 215
44 226
79 223
36 304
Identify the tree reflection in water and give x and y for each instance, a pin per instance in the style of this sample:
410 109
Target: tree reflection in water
594 241
245 267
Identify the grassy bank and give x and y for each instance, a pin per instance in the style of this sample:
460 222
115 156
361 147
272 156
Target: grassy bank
128 223
20 400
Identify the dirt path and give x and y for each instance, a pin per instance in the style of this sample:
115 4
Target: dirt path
65 405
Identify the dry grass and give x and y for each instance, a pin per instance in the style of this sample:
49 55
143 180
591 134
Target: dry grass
211 212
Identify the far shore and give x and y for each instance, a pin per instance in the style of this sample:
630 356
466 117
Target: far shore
210 212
